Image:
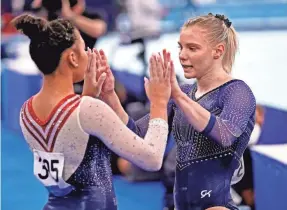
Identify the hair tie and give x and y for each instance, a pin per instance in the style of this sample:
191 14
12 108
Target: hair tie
221 17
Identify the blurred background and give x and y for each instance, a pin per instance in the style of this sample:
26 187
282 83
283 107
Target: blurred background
261 63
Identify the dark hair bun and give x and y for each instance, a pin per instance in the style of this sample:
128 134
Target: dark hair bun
33 27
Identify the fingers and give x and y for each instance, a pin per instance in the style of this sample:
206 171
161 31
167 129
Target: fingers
89 60
101 80
99 67
156 67
169 65
152 68
105 62
97 57
93 64
102 70
97 54
169 69
102 62
100 83
160 66
146 81
165 62
103 56
146 86
169 62
172 72
164 52
166 57
161 61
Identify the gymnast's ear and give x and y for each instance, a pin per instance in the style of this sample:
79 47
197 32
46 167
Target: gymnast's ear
72 58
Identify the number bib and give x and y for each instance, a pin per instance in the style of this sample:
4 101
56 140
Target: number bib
48 168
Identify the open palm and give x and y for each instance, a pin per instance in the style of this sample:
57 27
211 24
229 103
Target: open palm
109 84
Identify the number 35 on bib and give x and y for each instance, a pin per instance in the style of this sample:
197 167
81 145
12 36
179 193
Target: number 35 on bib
48 168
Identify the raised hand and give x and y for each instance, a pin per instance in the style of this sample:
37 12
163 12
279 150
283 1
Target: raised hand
94 75
158 88
36 4
175 89
109 84
66 11
79 8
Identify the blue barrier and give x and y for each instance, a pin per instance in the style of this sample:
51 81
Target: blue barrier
16 89
274 127
270 181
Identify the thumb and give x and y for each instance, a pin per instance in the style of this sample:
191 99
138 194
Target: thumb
146 87
101 81
172 72
146 81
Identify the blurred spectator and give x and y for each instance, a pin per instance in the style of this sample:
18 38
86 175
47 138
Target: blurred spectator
6 28
259 120
144 18
17 6
9 10
90 24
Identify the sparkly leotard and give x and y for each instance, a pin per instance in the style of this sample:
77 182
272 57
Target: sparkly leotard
72 151
206 161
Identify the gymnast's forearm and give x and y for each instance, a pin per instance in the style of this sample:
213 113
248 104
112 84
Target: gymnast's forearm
106 125
197 116
114 102
94 28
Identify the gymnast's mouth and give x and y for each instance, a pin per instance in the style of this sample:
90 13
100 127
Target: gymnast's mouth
186 66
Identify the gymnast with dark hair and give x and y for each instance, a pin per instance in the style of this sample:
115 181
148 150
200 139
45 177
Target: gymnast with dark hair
72 136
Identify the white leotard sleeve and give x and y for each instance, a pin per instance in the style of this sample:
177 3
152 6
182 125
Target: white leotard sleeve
98 119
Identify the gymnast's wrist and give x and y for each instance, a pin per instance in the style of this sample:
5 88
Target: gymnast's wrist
159 104
108 95
178 95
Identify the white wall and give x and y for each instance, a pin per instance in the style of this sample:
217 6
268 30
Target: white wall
261 61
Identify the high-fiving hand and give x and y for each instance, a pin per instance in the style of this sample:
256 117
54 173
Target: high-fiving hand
109 84
95 75
158 87
175 89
